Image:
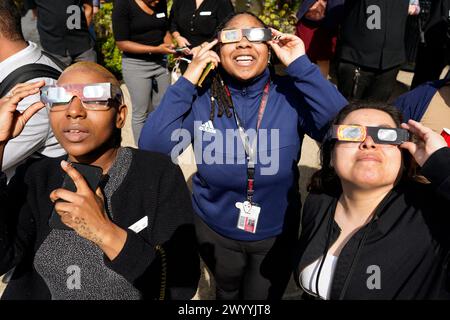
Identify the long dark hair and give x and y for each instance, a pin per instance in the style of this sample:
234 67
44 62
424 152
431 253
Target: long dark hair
325 180
218 90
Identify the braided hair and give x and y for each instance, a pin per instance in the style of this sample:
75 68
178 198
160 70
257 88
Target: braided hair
219 91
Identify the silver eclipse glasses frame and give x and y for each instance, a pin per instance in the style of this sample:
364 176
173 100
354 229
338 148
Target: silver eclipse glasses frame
93 92
252 34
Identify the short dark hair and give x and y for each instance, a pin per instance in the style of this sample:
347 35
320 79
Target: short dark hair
325 180
10 21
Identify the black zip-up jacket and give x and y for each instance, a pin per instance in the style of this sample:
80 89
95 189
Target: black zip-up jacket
406 245
153 187
382 48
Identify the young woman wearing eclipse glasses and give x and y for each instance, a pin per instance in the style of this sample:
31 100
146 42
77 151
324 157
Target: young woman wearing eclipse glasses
128 237
247 210
369 231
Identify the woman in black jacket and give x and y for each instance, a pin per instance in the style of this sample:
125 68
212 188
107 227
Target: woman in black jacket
383 235
130 238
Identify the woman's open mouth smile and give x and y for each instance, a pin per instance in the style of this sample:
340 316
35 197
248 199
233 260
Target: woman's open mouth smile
244 60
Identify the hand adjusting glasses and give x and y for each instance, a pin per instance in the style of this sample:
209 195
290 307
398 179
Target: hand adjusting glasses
380 135
253 35
93 96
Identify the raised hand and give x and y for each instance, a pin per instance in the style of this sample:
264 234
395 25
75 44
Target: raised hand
13 121
164 48
199 62
287 47
429 143
317 11
183 43
84 212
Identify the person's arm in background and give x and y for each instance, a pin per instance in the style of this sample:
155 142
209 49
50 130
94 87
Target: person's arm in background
88 11
134 47
122 33
168 40
33 136
414 103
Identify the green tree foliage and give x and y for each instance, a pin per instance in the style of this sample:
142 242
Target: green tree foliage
280 15
109 55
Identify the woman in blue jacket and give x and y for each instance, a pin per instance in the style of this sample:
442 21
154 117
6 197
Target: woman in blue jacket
245 192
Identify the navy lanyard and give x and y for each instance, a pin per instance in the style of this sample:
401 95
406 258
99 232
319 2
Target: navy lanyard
250 151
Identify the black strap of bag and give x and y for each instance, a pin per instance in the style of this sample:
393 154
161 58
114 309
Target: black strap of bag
26 73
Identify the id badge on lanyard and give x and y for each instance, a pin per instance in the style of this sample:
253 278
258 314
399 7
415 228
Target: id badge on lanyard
248 210
248 216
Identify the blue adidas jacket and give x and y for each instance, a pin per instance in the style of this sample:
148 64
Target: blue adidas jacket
303 102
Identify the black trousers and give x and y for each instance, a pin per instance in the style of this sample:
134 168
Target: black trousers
366 83
244 270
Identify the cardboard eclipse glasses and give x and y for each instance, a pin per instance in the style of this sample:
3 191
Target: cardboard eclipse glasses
252 34
93 96
380 135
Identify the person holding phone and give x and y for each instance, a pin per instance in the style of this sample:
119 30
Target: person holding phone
132 237
193 22
246 198
141 31
369 231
